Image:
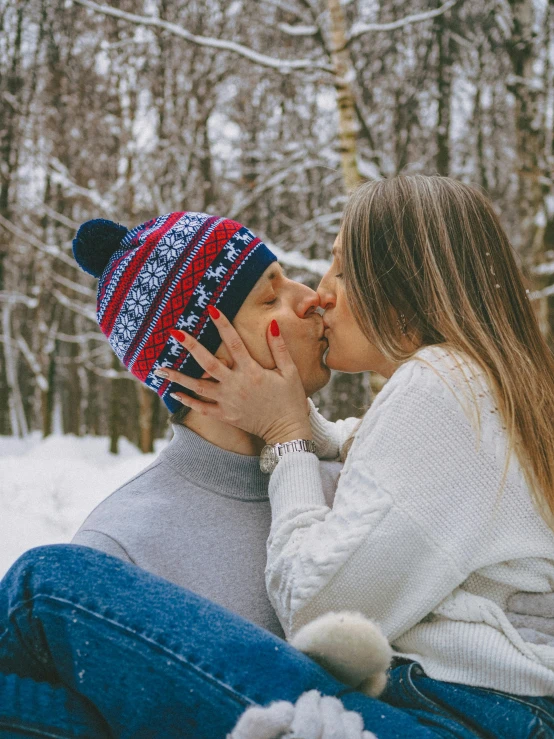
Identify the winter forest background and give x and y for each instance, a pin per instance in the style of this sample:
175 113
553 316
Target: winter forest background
266 111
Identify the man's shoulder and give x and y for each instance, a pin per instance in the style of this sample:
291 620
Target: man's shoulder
141 481
132 492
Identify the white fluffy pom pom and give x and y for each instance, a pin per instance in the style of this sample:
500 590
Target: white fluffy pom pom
349 646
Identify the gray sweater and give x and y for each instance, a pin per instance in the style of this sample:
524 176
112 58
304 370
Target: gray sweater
198 516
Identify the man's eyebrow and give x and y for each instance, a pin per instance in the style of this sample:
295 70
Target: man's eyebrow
275 272
267 280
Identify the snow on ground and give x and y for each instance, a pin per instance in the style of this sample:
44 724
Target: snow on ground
48 487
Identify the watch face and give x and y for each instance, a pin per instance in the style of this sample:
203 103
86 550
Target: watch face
268 459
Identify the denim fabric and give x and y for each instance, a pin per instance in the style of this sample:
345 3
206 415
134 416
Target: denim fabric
116 651
29 708
464 711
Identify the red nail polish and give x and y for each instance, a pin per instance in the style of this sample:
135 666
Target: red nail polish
274 328
178 335
214 313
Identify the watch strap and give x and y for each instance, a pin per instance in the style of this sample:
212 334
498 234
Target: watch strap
296 445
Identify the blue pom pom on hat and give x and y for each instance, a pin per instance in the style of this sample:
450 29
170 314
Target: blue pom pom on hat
95 244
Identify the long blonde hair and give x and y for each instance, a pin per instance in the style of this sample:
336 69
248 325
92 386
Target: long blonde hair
433 249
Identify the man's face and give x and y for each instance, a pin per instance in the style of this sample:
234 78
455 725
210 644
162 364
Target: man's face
293 306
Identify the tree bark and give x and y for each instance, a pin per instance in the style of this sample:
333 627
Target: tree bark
344 75
522 50
444 84
478 119
18 420
146 416
114 423
47 399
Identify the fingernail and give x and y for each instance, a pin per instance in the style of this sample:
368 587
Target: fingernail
274 328
214 313
161 373
178 335
176 397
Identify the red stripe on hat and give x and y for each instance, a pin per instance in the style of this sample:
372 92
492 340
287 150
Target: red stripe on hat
107 277
181 296
132 270
206 231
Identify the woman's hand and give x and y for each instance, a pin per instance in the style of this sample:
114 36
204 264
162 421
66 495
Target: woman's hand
270 404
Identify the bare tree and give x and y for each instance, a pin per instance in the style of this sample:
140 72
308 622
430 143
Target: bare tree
268 112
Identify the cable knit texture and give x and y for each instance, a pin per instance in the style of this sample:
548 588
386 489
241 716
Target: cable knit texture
419 539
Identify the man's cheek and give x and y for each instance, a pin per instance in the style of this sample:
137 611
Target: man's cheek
259 350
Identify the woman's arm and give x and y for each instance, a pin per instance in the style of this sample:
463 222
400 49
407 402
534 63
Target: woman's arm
330 437
399 538
366 555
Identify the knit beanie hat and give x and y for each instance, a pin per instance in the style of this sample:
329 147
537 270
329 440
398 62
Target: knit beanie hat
163 275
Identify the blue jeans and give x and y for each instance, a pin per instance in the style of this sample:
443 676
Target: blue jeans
91 646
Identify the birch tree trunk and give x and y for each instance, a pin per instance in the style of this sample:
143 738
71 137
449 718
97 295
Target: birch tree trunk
10 88
344 75
349 392
18 420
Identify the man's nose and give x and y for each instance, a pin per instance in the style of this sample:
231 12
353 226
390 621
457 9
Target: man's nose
309 301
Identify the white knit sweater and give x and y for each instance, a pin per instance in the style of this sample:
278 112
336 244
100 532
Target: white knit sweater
418 538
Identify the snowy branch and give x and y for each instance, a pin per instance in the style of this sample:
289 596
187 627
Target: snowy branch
12 101
59 217
462 41
280 65
298 164
80 338
544 269
33 363
75 307
50 249
297 30
544 293
75 286
7 297
359 29
109 374
532 83
61 177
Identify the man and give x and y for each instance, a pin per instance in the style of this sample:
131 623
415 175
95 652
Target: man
199 516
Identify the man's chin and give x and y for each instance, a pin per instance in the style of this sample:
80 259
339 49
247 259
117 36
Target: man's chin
317 380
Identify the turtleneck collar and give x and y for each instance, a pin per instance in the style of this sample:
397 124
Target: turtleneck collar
223 472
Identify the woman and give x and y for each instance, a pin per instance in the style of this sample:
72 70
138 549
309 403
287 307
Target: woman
430 533
445 504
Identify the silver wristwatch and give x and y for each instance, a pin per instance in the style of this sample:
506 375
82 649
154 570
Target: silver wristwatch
272 453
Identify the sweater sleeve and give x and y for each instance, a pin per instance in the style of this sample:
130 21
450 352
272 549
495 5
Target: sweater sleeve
396 542
330 437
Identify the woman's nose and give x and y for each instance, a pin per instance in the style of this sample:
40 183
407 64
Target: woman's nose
325 295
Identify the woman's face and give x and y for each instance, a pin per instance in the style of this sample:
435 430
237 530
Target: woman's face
349 349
